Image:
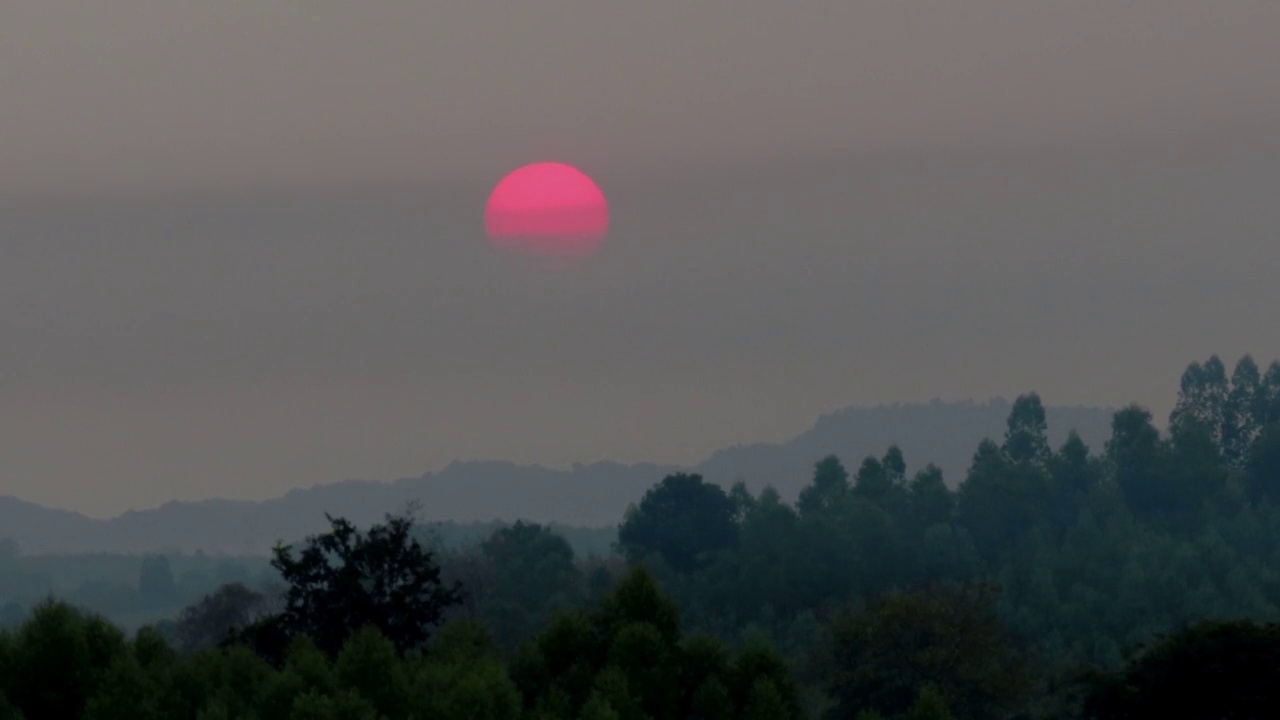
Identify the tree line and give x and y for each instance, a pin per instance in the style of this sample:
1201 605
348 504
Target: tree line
1137 581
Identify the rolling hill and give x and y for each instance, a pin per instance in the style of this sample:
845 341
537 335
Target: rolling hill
595 495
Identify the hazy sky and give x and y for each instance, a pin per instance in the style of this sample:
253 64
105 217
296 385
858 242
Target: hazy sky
243 246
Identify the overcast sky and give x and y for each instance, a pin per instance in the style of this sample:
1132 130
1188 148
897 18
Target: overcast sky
244 252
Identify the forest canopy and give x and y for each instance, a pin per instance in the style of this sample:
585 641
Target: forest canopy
1049 582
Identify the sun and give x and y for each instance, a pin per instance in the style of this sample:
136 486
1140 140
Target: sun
547 209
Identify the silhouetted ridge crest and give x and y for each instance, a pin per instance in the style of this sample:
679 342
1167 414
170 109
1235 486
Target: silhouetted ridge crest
586 494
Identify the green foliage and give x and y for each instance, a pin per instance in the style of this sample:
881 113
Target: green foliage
929 705
1202 400
704 656
462 639
344 580
218 616
682 520
1002 500
759 677
532 572
344 705
945 636
1137 455
931 502
766 703
597 707
480 689
628 658
711 701
828 490
613 685
1024 439
59 659
639 600
532 561
770 562
368 665
104 677
887 580
123 694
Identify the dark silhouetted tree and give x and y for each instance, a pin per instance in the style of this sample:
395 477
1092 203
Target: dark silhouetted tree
1074 474
59 660
1207 671
743 501
344 580
931 500
895 466
1001 500
683 520
532 572
828 489
218 615
1136 454
1242 417
872 481
1202 398
627 659
1024 438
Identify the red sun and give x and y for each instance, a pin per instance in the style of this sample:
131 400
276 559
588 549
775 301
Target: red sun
547 209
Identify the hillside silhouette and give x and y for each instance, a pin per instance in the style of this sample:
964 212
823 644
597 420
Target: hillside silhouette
594 495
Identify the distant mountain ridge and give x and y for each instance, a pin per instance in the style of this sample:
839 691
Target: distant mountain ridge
944 433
